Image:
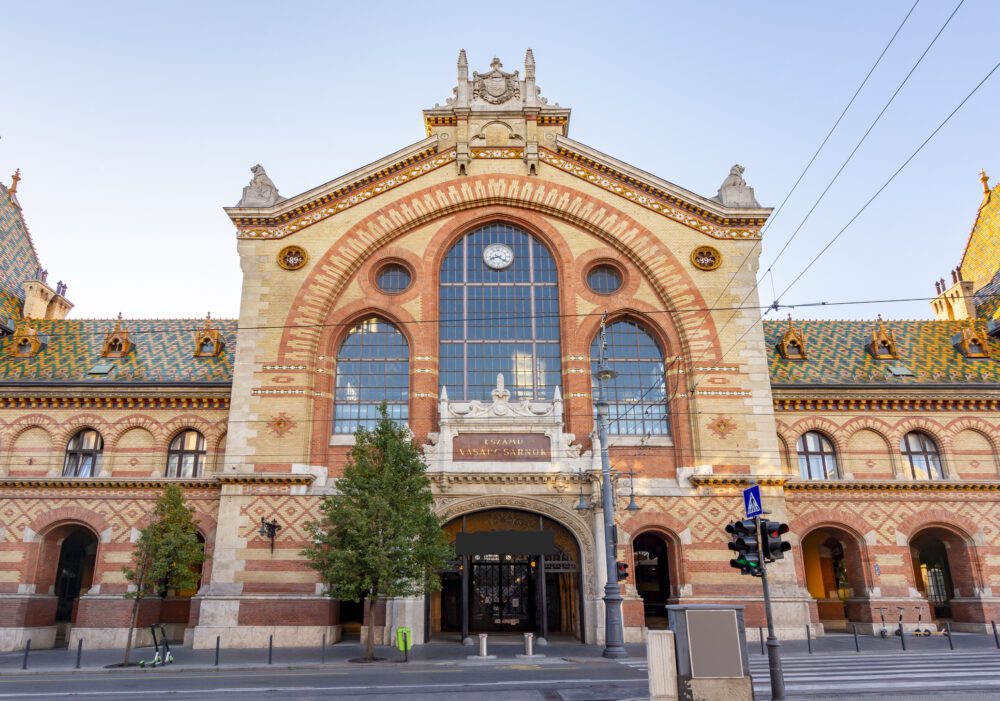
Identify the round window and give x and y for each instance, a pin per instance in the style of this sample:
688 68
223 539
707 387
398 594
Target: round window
393 278
604 279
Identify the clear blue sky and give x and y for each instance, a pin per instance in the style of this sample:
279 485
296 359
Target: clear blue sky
135 123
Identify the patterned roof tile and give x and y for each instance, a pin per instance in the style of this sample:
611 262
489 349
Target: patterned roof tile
837 355
163 353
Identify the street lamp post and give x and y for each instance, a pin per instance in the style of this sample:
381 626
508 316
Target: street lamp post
614 638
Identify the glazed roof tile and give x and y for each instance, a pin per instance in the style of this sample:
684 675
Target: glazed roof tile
162 353
837 354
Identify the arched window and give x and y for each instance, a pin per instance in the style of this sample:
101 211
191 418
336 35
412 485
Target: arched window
499 314
186 456
83 454
637 397
373 366
921 452
817 458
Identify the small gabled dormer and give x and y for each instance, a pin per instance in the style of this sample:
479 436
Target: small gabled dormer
971 342
208 341
116 342
883 343
793 343
25 341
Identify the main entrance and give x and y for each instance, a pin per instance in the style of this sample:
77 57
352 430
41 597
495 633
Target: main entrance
518 572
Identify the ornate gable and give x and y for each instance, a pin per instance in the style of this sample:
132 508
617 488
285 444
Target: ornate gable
793 343
971 342
116 342
883 343
208 341
25 341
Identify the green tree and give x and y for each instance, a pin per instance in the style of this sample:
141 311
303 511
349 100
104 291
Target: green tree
166 556
378 535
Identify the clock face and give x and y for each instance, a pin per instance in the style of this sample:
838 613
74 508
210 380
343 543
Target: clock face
498 256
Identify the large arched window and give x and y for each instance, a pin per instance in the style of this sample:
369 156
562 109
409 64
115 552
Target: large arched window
921 452
373 366
499 314
637 397
83 454
817 458
186 456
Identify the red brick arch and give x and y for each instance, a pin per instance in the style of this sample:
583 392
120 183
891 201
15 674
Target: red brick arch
668 528
45 522
516 196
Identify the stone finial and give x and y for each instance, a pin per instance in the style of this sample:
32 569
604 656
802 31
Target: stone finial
529 64
983 178
261 191
14 180
463 65
734 191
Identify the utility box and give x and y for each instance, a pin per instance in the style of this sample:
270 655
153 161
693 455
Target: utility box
711 646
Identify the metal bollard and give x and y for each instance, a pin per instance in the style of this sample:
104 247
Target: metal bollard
79 652
760 634
270 648
996 636
482 645
322 650
947 631
857 645
529 644
809 640
27 649
902 636
217 640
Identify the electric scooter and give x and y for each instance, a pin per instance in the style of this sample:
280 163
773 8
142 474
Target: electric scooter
920 622
884 632
899 628
167 657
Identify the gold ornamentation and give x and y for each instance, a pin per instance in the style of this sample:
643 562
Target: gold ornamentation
496 152
972 343
292 257
25 343
793 344
208 341
706 258
883 343
116 341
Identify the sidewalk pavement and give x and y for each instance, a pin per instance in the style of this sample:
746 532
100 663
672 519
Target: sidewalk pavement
61 660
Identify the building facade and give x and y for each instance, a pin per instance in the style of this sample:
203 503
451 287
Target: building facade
464 280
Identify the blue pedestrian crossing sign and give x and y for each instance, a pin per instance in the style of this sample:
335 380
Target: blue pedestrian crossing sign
751 501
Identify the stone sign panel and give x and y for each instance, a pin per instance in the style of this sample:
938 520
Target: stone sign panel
502 447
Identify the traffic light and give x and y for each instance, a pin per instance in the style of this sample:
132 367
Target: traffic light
622 570
774 546
744 542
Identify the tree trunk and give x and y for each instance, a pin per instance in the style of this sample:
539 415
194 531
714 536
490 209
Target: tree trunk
370 639
131 627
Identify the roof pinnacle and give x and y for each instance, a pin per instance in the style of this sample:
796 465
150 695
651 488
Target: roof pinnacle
985 180
14 180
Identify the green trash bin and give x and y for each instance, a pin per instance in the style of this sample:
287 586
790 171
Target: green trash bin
404 639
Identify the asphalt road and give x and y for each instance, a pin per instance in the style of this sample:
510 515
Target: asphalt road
553 680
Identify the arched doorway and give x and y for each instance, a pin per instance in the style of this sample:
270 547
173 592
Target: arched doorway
653 576
74 572
516 572
831 558
939 557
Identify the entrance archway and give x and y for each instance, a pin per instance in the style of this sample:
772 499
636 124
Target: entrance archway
831 558
942 568
74 571
653 576
518 571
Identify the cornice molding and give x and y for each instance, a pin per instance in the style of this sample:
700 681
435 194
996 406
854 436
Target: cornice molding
881 403
125 403
739 480
123 483
891 486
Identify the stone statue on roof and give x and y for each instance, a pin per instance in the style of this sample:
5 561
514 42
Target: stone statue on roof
734 191
261 192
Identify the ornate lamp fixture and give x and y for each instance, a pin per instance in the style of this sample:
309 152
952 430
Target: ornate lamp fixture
269 529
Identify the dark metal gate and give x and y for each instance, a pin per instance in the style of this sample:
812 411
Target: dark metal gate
502 596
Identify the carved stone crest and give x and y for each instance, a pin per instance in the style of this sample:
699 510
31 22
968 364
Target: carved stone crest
497 86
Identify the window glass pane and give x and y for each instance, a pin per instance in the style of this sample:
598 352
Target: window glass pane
637 396
393 278
499 321
373 365
604 279
816 451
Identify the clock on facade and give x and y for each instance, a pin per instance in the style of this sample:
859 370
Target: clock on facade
498 256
